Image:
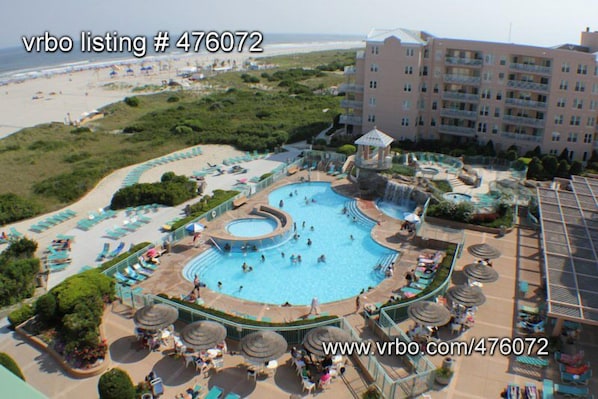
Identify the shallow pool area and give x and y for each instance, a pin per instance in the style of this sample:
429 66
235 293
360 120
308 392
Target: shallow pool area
457 197
322 229
251 227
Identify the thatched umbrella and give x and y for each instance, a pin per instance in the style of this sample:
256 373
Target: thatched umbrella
484 251
314 339
203 335
155 317
480 272
262 346
429 313
466 295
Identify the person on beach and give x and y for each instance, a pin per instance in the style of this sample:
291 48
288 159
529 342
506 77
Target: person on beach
315 306
196 284
357 303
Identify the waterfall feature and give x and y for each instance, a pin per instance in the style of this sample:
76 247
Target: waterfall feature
398 193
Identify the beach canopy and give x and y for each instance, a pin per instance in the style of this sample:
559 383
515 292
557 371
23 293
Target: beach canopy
484 251
314 339
202 335
195 228
480 272
429 313
155 317
412 218
263 346
466 295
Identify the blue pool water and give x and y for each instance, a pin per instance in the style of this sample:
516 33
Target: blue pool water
251 227
396 211
457 197
349 265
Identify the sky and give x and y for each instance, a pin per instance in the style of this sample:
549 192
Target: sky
534 22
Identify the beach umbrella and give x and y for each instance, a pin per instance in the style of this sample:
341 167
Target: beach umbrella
202 335
263 346
466 295
480 272
152 252
314 339
155 317
429 313
484 251
412 218
195 228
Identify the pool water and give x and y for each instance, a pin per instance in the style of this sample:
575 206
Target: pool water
251 227
396 211
349 265
457 197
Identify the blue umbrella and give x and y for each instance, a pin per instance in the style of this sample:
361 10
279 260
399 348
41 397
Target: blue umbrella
195 228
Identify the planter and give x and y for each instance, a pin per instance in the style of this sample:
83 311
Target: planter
443 376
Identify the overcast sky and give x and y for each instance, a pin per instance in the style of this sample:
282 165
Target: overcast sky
537 22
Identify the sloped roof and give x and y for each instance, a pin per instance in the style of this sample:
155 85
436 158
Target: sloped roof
14 387
375 138
405 36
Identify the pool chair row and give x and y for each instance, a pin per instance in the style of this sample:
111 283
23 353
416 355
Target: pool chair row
244 158
216 393
94 218
52 221
13 234
194 152
57 260
569 391
138 210
130 227
137 273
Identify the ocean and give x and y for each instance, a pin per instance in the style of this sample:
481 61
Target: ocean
17 64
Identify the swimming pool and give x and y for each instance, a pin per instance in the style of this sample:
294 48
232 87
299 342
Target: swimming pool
395 211
457 197
251 227
349 265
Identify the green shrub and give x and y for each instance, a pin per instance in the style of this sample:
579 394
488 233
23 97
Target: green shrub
20 315
13 208
116 384
347 149
45 308
170 191
11 365
81 129
206 204
131 101
18 269
172 99
443 185
69 186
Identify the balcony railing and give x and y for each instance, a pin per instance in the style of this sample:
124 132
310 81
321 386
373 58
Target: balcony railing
463 61
350 88
457 130
350 120
525 103
522 120
521 137
350 70
520 84
451 95
531 68
450 78
351 104
457 113
373 163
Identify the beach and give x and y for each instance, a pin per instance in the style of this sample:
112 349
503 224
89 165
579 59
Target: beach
60 94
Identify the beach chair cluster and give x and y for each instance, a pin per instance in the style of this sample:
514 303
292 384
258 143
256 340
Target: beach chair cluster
569 391
13 234
53 221
530 320
94 218
136 273
107 254
244 158
141 209
423 275
514 391
58 255
573 368
129 226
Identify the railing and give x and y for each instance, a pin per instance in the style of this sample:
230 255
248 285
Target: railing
520 84
522 120
525 103
350 87
458 113
360 55
451 95
351 104
350 70
463 61
373 163
457 130
521 137
350 119
531 68
462 79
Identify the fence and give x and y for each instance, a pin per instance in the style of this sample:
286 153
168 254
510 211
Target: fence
129 261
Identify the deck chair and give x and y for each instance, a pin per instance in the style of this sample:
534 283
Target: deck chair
157 387
214 393
102 255
581 379
570 390
137 267
232 395
117 250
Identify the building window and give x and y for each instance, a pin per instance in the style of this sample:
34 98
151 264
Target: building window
406 104
561 103
489 59
486 93
375 50
552 152
436 88
572 138
420 122
556 136
580 86
424 88
497 112
582 69
482 127
433 122
571 154
371 118
487 76
575 121
577 103
595 88
591 121
484 110
585 156
426 53
494 129
558 119
408 70
410 52
425 71
372 101
434 105
503 61
593 104
501 76
499 95
374 68
564 85
404 121
373 84
565 67
587 138
407 87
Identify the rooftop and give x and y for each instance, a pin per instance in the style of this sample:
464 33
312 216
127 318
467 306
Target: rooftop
405 36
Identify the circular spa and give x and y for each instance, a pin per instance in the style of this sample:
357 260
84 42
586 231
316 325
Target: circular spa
429 171
351 255
457 197
251 227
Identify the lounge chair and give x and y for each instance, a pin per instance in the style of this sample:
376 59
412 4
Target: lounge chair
157 387
117 250
570 360
123 280
14 233
132 274
214 393
577 379
144 272
232 395
572 391
532 361
102 255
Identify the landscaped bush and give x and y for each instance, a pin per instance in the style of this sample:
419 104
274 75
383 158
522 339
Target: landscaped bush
170 191
347 149
11 365
69 186
131 101
459 212
206 204
18 269
443 185
116 384
20 315
13 208
45 308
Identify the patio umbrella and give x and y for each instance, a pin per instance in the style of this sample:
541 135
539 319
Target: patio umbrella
195 228
263 346
203 335
412 218
155 317
480 272
314 339
466 295
429 313
484 251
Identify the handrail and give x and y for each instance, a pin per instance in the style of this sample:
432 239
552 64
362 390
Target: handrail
215 244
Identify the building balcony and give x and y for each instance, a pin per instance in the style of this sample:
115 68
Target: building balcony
452 95
350 120
531 68
360 55
521 137
351 104
525 103
350 70
522 120
457 113
350 88
457 130
520 84
373 163
473 62
450 78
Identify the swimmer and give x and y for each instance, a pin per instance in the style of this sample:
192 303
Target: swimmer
245 267
291 194
282 254
309 242
240 287
303 224
263 258
219 285
299 258
281 204
311 228
351 237
322 259
296 192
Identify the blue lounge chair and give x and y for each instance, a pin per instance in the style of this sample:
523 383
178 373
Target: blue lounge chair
214 393
232 395
104 252
132 274
139 270
14 233
581 379
123 280
117 250
572 391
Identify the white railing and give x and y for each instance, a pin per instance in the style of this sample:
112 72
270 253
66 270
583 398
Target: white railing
458 113
521 120
451 95
525 103
457 130
450 78
531 68
520 84
350 120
